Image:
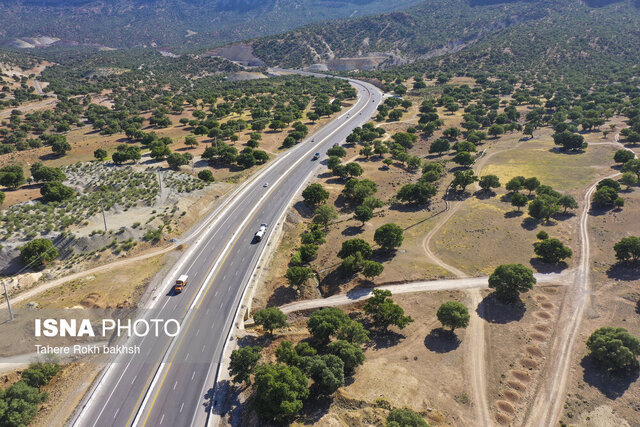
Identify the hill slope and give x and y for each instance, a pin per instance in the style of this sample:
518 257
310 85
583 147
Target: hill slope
171 22
438 27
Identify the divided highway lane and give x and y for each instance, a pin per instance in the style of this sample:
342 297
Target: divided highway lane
167 382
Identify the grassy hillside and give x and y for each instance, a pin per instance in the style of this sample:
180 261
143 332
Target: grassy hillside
180 23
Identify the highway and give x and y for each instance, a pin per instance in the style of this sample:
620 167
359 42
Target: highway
169 383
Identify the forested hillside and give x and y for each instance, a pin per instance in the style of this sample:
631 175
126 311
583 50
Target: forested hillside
171 22
437 27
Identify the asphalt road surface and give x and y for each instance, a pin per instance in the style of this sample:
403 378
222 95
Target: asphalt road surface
169 383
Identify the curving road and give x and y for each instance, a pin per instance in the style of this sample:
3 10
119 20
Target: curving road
170 381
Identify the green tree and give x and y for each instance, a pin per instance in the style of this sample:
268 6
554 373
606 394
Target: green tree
519 200
22 403
12 176
337 151
324 215
297 276
605 197
363 214
100 154
324 323
353 332
349 353
543 206
243 362
384 311
405 418
440 146
371 269
47 174
628 249
462 179
629 179
509 280
206 175
496 130
270 318
39 374
614 349
453 315
2 197
569 140
287 354
38 252
56 192
515 184
531 184
60 146
353 246
487 182
279 391
314 194
552 251
326 371
191 141
464 158
420 193
567 202
623 156
389 236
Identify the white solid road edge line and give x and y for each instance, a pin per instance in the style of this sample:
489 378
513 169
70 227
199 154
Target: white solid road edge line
149 391
212 221
239 307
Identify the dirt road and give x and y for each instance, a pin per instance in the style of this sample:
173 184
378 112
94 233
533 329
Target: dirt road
548 403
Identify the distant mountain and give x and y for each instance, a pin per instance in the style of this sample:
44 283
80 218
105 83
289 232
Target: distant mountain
172 23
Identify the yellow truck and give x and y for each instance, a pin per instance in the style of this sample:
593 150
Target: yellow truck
180 283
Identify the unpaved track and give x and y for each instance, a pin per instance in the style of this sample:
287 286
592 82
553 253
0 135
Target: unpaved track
467 283
550 397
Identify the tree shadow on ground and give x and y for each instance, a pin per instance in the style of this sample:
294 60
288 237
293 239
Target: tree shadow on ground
304 210
441 340
408 208
315 407
352 230
493 310
381 255
484 195
530 223
513 214
331 283
282 295
563 216
626 271
638 307
457 196
545 267
612 386
325 175
599 211
506 197
383 339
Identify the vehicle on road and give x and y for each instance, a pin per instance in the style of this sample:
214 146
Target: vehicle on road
260 233
180 283
316 156
266 184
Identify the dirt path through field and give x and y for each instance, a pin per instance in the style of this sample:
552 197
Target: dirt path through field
549 400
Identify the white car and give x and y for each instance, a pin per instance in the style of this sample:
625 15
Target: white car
266 184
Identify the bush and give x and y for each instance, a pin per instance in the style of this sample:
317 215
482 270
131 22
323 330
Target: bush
39 374
552 250
405 418
243 362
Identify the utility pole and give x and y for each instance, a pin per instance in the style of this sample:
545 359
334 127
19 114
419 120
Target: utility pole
6 295
104 216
